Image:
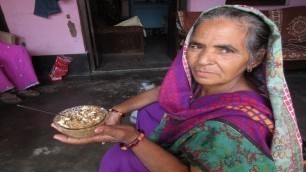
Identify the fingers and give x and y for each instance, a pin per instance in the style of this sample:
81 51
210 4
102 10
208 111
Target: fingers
70 140
104 133
108 133
117 133
111 129
76 141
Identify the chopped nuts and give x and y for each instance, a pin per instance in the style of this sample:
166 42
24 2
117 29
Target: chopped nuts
83 117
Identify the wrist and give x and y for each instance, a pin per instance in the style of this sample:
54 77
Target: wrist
133 143
114 111
118 108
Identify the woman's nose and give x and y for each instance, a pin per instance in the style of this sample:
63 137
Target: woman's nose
205 57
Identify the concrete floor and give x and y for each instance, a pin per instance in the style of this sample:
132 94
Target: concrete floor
26 142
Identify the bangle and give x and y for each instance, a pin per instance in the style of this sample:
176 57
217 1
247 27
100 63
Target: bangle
134 142
113 110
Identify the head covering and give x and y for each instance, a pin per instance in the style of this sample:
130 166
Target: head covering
286 149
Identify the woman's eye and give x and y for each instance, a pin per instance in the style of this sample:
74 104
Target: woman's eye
195 46
226 50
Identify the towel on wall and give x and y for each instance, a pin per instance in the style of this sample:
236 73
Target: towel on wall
44 8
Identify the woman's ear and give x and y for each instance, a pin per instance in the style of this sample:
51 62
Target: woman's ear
256 61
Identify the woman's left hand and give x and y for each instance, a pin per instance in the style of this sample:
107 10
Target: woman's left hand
104 133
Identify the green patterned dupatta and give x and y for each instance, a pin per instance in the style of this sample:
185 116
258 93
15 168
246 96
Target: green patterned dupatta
286 146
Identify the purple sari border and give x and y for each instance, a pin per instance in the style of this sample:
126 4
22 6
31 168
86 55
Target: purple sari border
215 106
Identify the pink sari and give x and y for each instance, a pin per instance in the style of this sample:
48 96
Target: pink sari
16 69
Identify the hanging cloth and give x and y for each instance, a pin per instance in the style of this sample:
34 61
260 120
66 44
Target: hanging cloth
44 8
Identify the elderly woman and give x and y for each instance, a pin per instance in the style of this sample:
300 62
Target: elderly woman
223 106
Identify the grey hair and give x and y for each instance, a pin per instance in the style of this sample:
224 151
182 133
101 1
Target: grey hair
257 34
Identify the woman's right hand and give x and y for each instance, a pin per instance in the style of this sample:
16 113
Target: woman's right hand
113 118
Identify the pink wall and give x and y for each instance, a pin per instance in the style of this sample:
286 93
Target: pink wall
42 36
203 5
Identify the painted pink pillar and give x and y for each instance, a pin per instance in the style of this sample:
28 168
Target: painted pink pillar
59 34
203 5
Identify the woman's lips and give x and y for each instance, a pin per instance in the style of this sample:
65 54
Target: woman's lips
204 74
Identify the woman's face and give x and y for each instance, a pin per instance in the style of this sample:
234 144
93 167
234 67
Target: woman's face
217 53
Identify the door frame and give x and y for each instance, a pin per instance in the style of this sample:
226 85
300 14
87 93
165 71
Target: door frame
88 34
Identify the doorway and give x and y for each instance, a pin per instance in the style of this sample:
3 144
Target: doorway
109 13
3 25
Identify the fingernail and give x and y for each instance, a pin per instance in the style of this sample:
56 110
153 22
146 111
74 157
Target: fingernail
97 130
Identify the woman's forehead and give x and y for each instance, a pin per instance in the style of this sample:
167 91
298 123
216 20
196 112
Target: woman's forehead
225 19
223 26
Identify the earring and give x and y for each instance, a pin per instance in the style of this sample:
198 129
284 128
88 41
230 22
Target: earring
249 69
